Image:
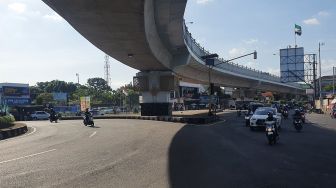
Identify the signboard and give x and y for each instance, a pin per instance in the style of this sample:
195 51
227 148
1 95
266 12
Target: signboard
9 91
16 101
84 103
60 96
292 65
310 91
189 92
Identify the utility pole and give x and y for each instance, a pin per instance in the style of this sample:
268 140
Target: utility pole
320 80
334 72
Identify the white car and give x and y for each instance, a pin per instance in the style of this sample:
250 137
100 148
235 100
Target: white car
40 115
260 115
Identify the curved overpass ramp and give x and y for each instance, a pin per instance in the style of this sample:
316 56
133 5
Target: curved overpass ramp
150 35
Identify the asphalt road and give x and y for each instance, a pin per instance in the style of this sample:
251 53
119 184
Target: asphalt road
138 153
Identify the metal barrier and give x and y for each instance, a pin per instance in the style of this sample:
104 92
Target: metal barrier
199 51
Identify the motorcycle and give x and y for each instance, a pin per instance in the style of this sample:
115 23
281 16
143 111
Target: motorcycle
303 117
333 113
238 113
298 124
88 120
271 133
247 118
53 118
285 114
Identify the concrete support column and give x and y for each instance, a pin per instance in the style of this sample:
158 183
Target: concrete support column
155 88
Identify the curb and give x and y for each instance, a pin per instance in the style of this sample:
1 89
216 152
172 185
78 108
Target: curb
16 130
190 120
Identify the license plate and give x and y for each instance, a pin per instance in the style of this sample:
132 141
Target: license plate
247 117
269 133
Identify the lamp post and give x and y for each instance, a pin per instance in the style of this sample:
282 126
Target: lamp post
77 78
320 72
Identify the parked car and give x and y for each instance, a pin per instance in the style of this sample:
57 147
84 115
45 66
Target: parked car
40 115
260 115
97 112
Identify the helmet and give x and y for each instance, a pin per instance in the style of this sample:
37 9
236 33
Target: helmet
270 114
297 111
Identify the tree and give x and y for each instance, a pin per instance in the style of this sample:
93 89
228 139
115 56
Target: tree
44 98
98 84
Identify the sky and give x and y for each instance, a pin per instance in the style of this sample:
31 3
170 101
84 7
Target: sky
38 45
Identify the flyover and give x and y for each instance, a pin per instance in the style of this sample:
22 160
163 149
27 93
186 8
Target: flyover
150 35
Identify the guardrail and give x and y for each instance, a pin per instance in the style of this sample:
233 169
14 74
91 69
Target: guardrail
199 51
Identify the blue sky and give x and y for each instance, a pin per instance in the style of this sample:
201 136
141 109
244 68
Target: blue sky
38 45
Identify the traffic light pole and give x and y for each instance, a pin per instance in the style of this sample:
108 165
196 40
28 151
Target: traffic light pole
210 94
209 60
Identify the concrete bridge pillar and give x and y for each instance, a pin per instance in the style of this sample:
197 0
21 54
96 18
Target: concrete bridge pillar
156 88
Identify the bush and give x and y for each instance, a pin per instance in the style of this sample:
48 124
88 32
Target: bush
7 120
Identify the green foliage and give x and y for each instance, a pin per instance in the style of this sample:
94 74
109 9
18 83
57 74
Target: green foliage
6 120
96 88
328 88
98 84
44 98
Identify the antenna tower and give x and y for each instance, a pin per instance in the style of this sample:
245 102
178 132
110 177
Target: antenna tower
107 70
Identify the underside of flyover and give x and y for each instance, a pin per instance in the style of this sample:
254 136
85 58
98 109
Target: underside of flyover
149 35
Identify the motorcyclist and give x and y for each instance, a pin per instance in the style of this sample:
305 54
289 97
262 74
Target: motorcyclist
52 113
271 118
297 114
87 114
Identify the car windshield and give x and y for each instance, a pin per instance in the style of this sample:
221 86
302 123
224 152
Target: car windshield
255 106
264 111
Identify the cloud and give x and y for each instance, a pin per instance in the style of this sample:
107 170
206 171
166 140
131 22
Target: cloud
311 21
17 7
327 66
53 17
203 1
251 41
234 52
323 13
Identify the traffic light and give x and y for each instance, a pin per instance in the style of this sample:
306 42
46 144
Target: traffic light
255 55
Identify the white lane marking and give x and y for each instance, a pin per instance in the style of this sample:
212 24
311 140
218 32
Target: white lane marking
34 130
27 156
93 134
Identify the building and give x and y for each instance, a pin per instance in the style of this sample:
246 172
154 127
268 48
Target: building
14 94
325 81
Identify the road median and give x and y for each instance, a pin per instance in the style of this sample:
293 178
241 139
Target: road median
185 119
15 130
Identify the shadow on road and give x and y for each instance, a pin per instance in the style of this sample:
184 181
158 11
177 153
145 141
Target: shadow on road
230 155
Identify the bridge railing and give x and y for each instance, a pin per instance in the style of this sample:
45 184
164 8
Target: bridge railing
199 51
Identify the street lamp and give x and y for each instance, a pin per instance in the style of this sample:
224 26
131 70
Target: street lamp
77 77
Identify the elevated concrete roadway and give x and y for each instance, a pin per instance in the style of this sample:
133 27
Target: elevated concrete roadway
150 35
